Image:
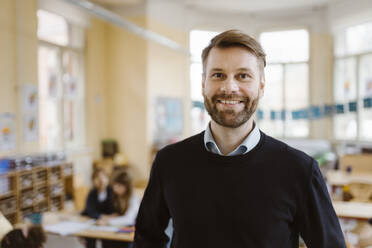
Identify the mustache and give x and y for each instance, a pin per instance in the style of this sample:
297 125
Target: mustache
228 97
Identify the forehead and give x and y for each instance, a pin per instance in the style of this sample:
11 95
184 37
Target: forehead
231 58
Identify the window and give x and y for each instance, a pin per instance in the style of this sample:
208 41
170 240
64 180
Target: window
365 92
287 83
198 41
52 28
61 83
353 83
345 122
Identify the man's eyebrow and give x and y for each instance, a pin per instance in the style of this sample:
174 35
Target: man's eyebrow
245 69
216 69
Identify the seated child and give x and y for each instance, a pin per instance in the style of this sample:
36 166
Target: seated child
31 237
100 198
126 205
99 202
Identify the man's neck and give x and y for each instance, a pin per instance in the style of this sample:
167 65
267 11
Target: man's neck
228 139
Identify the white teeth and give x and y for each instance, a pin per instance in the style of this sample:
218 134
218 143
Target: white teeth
229 102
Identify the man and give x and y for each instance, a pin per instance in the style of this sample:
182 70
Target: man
233 186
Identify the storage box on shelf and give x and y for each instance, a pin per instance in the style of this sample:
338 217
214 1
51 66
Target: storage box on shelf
40 176
68 181
7 185
25 179
37 189
8 196
8 206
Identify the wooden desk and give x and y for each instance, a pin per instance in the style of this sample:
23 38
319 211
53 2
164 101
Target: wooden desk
50 218
353 210
340 178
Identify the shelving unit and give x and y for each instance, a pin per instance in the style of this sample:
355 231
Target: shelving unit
39 189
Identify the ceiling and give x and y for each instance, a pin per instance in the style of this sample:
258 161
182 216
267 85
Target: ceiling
242 6
113 3
250 6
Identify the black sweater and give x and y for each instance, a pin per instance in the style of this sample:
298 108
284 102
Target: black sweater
265 198
94 208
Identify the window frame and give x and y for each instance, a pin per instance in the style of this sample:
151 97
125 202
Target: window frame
80 51
283 66
359 99
192 61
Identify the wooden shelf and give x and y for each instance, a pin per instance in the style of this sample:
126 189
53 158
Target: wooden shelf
7 194
42 184
36 195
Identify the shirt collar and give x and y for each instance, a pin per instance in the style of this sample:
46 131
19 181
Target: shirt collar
248 143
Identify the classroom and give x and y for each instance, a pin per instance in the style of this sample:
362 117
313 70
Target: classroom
95 95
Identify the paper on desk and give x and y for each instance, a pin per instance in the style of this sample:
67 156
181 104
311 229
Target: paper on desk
104 228
68 227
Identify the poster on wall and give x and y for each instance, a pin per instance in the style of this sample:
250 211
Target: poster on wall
168 119
368 88
52 85
30 113
69 129
30 97
70 86
7 132
30 130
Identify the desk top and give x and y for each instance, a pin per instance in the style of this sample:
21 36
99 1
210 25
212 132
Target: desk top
50 218
353 210
337 177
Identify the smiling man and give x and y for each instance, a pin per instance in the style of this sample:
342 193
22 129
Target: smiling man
233 186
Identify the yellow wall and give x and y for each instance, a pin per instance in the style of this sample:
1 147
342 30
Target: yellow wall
124 73
7 58
321 70
127 98
138 71
18 61
168 71
26 57
96 85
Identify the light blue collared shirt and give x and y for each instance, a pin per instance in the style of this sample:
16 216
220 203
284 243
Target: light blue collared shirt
248 143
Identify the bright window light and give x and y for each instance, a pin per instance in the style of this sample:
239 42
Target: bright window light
198 41
52 28
286 46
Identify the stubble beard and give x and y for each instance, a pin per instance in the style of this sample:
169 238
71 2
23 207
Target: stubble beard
236 119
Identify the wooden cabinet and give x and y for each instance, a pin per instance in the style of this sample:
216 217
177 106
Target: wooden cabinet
40 189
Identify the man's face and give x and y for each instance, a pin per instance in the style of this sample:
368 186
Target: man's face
232 85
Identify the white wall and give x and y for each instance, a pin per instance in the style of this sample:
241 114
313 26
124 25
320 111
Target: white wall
345 13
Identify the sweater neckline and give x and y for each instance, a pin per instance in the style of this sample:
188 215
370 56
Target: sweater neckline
231 159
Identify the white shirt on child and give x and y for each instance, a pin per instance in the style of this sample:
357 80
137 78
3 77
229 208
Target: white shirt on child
102 196
129 218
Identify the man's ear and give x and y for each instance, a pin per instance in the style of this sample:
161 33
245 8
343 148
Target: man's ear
203 83
261 88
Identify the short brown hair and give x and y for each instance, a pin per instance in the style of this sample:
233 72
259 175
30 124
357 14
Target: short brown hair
236 38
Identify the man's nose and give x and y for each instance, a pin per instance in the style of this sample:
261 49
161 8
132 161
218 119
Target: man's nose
229 85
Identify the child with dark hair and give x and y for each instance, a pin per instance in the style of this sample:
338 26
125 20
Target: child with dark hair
126 205
34 237
100 198
99 203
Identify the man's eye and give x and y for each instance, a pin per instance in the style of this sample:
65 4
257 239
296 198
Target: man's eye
217 75
243 76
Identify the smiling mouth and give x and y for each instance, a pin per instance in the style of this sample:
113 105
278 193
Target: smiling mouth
230 102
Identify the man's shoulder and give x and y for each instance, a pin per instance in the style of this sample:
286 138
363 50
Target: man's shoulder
185 146
288 152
